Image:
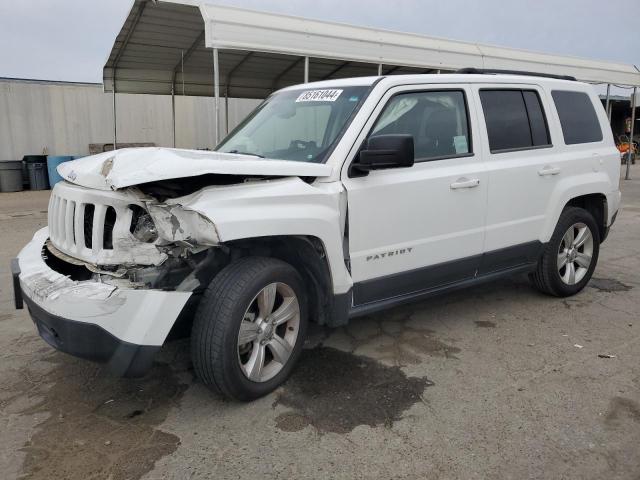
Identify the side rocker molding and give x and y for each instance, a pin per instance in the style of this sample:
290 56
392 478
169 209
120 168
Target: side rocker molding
384 292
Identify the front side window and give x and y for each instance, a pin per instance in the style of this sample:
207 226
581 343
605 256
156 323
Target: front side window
437 120
515 119
578 118
300 125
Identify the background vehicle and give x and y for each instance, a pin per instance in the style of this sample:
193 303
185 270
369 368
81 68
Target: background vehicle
332 200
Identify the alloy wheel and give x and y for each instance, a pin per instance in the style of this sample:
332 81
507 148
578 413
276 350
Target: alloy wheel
575 253
268 332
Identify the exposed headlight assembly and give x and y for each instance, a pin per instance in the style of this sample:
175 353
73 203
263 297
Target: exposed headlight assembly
174 224
142 226
145 229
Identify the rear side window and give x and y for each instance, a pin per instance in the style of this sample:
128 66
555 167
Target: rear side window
515 120
578 118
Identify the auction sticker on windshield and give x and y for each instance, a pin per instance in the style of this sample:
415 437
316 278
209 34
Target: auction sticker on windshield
319 96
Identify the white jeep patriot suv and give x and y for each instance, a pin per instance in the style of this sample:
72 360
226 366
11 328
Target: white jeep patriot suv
331 200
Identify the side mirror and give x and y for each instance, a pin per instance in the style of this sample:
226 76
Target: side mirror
385 151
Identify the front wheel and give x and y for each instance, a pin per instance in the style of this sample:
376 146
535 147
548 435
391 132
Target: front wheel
570 257
249 328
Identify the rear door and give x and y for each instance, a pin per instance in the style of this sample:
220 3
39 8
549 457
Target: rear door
414 229
523 171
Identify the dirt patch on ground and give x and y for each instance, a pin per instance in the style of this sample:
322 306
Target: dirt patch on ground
484 324
335 391
395 338
622 410
608 285
100 426
410 346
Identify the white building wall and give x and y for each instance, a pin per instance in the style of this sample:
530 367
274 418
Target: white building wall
63 119
195 119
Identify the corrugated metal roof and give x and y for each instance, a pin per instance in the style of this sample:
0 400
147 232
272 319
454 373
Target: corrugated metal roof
261 52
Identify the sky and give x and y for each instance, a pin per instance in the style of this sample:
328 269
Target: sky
70 40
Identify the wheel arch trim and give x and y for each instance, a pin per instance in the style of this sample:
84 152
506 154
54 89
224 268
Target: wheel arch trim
571 190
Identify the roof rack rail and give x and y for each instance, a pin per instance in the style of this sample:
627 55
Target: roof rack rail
485 71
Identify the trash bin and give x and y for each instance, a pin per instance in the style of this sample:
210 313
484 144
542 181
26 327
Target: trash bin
37 169
52 162
25 176
11 176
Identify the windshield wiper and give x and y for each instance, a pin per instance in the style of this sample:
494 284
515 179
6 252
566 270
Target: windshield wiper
246 153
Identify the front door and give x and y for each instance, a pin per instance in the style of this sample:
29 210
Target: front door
418 228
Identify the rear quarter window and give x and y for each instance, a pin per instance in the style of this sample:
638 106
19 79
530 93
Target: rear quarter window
578 118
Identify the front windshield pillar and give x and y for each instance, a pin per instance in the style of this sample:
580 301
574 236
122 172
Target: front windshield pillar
226 109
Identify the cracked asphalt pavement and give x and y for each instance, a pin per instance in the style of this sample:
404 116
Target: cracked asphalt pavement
496 381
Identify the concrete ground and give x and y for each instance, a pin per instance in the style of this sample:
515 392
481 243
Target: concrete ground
491 382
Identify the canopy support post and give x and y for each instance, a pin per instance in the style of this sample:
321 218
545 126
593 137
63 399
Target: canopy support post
379 69
115 123
610 112
627 175
227 82
226 109
306 69
173 114
216 93
608 101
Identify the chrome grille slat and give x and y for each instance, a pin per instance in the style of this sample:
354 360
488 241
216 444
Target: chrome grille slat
50 210
54 220
68 223
97 234
123 222
60 219
78 226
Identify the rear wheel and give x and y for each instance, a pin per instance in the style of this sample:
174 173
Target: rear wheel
570 257
249 328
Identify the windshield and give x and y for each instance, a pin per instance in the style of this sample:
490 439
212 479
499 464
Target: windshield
300 125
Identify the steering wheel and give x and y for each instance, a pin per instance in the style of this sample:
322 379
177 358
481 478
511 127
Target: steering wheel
302 145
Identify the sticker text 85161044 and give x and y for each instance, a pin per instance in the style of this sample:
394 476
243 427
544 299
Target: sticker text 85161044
319 96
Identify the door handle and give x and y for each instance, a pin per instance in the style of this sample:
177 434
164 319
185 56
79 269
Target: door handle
465 183
548 170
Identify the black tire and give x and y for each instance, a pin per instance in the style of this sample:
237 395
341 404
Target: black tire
214 337
546 277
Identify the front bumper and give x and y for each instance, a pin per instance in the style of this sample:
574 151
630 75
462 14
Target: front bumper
118 326
91 342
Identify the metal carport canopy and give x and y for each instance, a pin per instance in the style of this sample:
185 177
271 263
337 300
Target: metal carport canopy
241 29
260 52
188 47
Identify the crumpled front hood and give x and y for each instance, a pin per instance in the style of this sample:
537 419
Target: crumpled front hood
133 166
